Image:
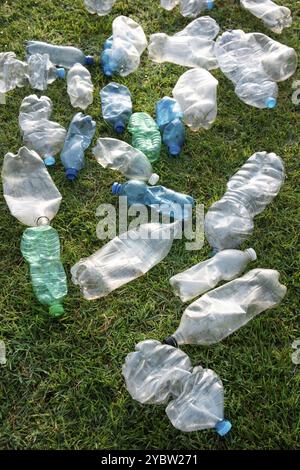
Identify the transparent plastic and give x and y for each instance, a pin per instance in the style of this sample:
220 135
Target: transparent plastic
118 155
80 86
41 72
100 7
275 17
145 135
64 56
196 93
12 73
224 266
116 105
124 259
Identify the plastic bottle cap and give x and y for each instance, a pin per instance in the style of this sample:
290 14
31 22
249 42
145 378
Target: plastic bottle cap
89 60
43 220
251 253
61 73
56 310
153 179
210 4
174 150
223 427
271 103
170 341
71 173
49 160
119 127
107 71
116 188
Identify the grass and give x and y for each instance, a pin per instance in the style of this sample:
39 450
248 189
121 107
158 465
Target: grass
62 387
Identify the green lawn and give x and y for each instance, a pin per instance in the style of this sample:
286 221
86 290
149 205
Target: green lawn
62 387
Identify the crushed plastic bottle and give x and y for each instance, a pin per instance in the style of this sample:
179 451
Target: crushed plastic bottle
79 137
295 356
124 259
41 72
155 373
229 221
122 51
224 266
39 133
168 118
254 63
63 56
40 247
275 17
118 155
196 93
101 7
12 73
167 110
29 190
220 312
2 353
174 137
151 369
145 135
188 8
163 200
116 105
191 47
80 86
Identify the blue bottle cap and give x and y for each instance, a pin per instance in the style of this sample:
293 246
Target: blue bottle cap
116 188
49 160
119 127
223 427
210 4
107 72
71 173
174 150
61 73
89 60
271 102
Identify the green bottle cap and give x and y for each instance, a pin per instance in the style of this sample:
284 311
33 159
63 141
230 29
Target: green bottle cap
56 310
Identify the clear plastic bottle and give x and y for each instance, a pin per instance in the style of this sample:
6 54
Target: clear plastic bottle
122 51
192 8
224 266
151 370
80 86
124 259
196 93
156 372
204 27
79 137
118 155
187 51
220 312
145 135
254 63
163 200
275 17
39 133
116 105
63 56
41 72
12 73
229 221
169 4
40 247
101 7
29 190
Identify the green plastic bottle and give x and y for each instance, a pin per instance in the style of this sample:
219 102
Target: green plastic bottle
145 135
40 247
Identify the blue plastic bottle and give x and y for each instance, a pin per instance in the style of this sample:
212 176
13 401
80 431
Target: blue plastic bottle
174 137
64 56
116 105
167 109
79 137
168 119
108 66
163 200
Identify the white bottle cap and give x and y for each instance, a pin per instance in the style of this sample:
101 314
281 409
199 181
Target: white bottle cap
251 253
153 179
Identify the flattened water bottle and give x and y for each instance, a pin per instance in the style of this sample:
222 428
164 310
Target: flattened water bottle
120 156
116 105
145 135
12 73
79 137
275 17
163 200
80 86
64 56
41 72
101 7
